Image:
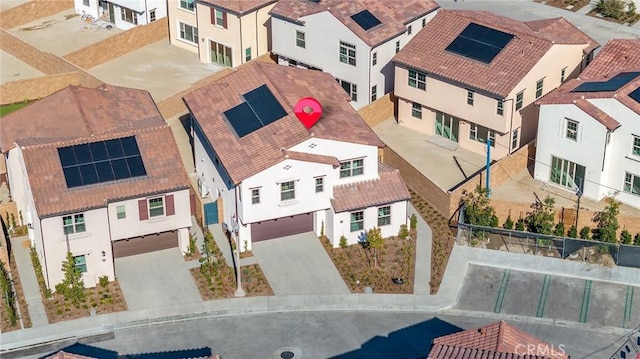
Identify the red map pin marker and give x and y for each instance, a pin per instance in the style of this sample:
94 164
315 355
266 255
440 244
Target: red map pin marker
308 110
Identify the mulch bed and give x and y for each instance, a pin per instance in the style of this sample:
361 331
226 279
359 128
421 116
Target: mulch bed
630 19
21 302
563 4
107 299
254 283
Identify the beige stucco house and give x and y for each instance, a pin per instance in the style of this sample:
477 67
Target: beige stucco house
470 76
226 33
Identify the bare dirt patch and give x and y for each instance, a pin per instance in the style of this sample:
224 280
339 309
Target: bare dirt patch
571 5
20 301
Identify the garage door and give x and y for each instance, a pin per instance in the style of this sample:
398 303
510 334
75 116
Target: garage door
150 243
281 227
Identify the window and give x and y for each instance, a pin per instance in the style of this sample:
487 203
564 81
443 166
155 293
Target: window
220 54
374 93
631 183
562 74
514 140
219 18
357 221
347 53
350 88
187 4
572 130
636 146
500 107
384 216
424 22
255 195
156 207
287 191
416 110
409 30
300 39
189 33
519 99
247 54
482 134
397 46
80 263
351 168
417 80
120 212
566 173
73 224
469 97
374 60
85 2
319 184
539 86
128 15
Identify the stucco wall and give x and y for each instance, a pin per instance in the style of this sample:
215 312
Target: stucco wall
176 14
32 11
342 223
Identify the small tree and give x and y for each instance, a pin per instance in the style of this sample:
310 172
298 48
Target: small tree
508 223
607 222
611 8
477 208
636 239
540 220
520 224
376 242
343 242
573 232
559 230
585 232
413 222
625 237
403 232
72 286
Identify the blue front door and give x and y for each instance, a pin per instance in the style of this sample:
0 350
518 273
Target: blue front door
211 213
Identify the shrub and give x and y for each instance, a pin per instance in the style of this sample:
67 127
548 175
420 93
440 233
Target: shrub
403 232
37 267
540 219
607 222
611 8
573 232
478 210
625 237
322 229
508 223
104 281
413 222
343 242
585 232
636 239
631 8
520 224
559 230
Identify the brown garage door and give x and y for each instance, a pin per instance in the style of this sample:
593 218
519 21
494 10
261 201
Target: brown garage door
150 243
285 226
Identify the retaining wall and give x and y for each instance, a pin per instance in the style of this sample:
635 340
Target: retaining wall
32 11
29 89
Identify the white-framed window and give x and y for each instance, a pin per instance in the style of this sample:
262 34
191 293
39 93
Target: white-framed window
571 132
351 168
319 184
500 107
80 263
397 46
187 4
247 54
424 22
384 216
418 79
563 74
566 173
128 15
470 97
539 86
482 134
409 30
514 139
156 207
121 213
219 18
631 183
300 39
416 110
374 93
255 195
374 59
287 191
74 223
351 89
357 221
189 33
519 100
347 53
635 149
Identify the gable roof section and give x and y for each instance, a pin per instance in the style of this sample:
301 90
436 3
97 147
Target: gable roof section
92 115
440 351
393 15
311 157
246 156
426 51
239 7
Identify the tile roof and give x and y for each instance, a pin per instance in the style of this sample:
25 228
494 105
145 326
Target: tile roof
389 188
619 55
500 337
246 156
426 51
311 157
440 351
393 15
609 122
239 7
64 355
92 115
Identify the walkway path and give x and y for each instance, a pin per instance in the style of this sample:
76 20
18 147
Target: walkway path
422 277
29 282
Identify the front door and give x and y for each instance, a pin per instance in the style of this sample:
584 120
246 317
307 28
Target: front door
220 54
112 15
210 213
447 126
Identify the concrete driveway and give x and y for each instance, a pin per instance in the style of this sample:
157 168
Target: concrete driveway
298 265
156 279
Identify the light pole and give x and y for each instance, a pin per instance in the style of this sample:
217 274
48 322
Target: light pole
488 182
579 194
239 291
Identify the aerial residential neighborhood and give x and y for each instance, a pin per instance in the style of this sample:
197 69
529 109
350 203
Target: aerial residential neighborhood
319 179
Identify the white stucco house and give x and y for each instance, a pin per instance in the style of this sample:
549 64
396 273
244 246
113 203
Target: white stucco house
95 172
124 14
352 40
589 128
270 176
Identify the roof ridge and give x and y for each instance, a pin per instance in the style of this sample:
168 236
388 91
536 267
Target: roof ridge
79 105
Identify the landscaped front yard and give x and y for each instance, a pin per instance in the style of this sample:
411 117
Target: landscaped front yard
107 299
572 5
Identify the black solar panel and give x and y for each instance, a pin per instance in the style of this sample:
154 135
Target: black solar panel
479 43
100 162
259 109
613 84
243 119
635 94
365 19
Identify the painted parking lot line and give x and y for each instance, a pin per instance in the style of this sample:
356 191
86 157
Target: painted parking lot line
542 302
503 288
628 304
586 294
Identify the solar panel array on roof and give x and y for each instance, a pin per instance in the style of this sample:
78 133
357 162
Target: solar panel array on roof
613 84
635 94
366 20
479 43
98 162
259 109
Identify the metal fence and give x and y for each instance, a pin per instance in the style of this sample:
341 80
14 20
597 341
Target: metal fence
584 250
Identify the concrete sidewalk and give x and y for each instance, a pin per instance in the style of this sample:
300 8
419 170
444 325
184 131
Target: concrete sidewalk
422 277
29 282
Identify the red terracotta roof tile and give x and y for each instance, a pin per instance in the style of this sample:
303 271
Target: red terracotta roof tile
609 122
619 55
426 51
239 7
311 157
440 351
246 156
393 15
64 355
389 188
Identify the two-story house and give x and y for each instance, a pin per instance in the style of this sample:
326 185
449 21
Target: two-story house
352 40
272 176
470 76
589 128
95 172
124 14
222 32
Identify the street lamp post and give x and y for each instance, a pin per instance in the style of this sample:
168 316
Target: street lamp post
239 291
579 194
